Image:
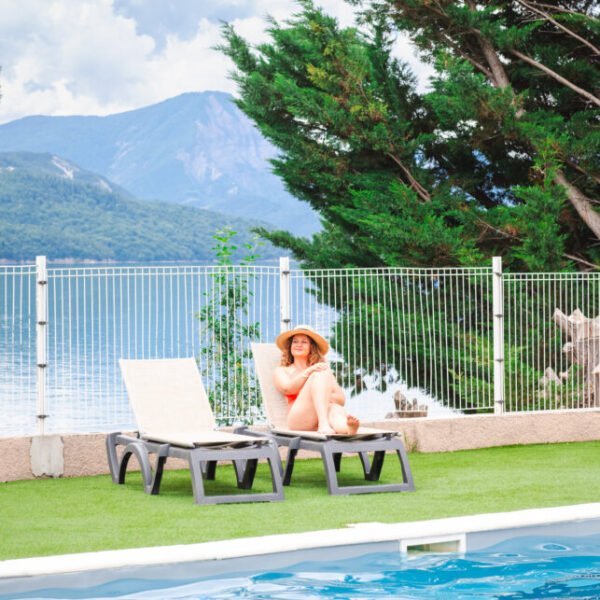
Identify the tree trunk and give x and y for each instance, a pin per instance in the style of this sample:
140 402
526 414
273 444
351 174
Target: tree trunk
582 204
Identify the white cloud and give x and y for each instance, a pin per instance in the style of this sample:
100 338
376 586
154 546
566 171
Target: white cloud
66 57
61 57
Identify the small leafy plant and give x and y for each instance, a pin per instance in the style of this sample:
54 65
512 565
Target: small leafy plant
227 333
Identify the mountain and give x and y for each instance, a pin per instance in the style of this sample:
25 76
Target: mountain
197 149
51 206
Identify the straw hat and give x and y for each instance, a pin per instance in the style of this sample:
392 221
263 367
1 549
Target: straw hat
319 340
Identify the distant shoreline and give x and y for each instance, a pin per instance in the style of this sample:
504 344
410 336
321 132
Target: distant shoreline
112 262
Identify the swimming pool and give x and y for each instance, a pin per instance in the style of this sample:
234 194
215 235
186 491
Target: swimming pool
542 553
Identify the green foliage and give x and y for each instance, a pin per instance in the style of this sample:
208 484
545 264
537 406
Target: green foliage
226 333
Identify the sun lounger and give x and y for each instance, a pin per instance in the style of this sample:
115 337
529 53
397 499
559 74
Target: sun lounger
175 420
331 447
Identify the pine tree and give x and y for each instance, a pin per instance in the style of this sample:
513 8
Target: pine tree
500 157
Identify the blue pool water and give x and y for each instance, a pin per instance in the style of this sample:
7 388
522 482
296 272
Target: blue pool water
522 568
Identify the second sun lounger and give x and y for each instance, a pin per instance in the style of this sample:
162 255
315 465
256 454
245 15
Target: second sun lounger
331 447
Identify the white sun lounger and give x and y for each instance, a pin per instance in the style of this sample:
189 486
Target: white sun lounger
331 447
174 419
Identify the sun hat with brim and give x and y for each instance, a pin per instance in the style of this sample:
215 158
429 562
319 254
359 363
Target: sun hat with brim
319 340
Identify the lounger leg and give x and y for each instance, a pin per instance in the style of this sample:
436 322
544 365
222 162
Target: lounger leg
245 477
330 469
111 454
197 479
274 460
405 466
293 447
161 459
337 461
374 472
141 454
365 461
210 469
372 466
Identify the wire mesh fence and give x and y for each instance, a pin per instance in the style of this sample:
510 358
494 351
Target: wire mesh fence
406 342
420 337
552 341
17 350
99 315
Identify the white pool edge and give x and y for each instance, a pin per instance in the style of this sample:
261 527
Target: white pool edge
359 533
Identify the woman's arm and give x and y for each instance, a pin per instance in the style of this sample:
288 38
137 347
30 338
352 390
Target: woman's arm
292 384
286 383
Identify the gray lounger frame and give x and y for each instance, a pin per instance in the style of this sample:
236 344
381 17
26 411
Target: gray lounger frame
331 450
202 462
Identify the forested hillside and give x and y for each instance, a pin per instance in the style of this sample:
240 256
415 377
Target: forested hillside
52 207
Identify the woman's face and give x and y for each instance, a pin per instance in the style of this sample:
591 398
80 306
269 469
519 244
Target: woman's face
300 347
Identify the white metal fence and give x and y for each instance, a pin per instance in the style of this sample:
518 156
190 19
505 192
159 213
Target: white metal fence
405 330
410 341
17 349
552 341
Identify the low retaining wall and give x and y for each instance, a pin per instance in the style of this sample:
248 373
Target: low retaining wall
75 455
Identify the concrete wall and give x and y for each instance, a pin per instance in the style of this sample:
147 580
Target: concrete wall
77 455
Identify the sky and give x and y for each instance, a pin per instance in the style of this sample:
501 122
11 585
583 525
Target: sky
98 57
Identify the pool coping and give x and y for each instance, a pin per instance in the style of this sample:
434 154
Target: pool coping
353 534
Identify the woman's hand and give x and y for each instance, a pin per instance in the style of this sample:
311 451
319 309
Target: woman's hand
321 366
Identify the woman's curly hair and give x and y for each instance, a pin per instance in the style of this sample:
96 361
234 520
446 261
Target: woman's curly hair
314 356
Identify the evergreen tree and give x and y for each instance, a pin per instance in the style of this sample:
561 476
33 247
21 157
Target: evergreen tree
500 158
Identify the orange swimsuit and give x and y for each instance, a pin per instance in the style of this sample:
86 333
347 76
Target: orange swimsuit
291 398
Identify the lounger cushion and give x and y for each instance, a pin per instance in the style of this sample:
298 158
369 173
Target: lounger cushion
206 439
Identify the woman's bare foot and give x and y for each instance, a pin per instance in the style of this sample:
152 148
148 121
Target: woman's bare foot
353 424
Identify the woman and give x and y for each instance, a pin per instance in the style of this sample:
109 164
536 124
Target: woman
316 401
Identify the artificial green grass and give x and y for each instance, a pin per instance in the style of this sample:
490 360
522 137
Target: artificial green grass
58 516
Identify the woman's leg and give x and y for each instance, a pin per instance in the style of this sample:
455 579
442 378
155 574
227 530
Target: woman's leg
310 410
314 408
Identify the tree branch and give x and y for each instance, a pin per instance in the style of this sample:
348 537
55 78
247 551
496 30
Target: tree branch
450 42
581 170
421 191
549 18
582 261
556 76
564 10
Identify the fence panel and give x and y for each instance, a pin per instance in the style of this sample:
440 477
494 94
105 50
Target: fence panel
427 333
17 351
552 341
101 314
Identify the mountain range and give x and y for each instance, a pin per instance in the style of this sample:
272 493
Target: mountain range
197 149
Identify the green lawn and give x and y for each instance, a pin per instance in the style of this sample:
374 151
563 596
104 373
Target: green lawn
56 516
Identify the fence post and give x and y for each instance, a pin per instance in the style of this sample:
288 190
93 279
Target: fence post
498 311
41 338
284 293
